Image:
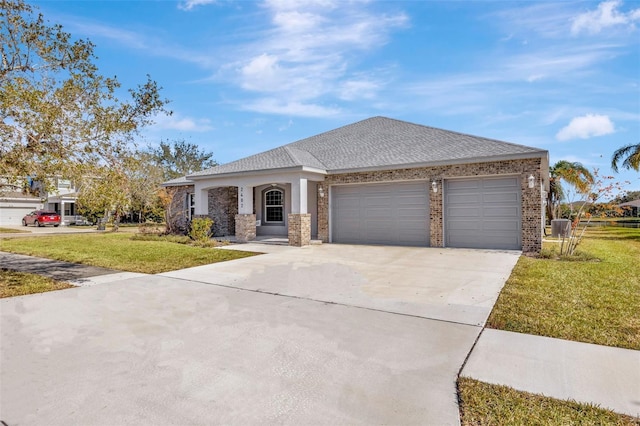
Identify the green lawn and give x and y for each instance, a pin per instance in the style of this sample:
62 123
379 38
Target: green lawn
486 404
593 297
20 283
594 301
119 251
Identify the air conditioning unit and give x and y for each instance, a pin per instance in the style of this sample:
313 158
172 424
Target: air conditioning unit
560 227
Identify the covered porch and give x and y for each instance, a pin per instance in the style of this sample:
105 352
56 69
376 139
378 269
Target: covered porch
65 206
279 205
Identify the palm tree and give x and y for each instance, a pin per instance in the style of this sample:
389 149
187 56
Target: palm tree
632 160
573 173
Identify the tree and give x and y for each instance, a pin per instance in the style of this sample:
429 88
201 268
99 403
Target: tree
630 157
572 173
144 178
598 188
626 196
179 158
129 185
59 115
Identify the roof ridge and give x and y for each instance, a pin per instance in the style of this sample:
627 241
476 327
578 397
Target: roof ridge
291 154
458 133
290 150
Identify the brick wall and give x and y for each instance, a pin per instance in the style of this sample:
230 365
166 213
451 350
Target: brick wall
531 197
299 231
177 214
245 227
222 209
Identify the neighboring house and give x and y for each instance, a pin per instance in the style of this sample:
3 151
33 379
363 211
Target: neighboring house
16 200
377 181
633 205
25 196
62 200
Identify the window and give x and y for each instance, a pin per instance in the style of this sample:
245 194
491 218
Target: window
191 205
274 206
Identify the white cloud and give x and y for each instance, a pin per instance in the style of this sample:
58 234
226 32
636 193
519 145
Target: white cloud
585 127
605 16
358 89
176 122
310 51
291 108
191 4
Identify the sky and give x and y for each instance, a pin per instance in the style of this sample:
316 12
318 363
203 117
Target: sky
247 76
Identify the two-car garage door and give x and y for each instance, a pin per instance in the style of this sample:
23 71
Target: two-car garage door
387 213
478 213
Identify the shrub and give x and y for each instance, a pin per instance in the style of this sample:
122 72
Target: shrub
200 229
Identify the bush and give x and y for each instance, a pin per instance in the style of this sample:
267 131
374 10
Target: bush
200 229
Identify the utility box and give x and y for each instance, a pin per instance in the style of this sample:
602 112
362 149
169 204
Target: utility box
560 227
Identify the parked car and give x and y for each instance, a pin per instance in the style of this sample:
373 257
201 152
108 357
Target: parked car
41 218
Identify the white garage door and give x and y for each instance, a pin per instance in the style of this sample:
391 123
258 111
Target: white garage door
388 213
483 213
13 215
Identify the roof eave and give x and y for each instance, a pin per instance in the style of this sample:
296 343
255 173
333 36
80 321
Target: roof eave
181 183
471 160
258 172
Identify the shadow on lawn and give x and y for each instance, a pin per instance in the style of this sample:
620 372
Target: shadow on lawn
612 233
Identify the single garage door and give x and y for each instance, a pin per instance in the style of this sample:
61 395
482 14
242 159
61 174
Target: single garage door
483 213
12 215
389 213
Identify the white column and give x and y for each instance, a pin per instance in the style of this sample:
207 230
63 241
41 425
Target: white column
201 201
245 200
61 211
299 196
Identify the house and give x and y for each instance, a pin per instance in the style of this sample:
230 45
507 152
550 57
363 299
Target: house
17 200
377 181
62 200
19 197
633 206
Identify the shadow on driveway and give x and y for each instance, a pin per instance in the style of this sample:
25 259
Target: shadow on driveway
58 270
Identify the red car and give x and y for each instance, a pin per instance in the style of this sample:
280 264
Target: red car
41 218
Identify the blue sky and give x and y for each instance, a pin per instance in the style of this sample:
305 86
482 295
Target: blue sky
246 76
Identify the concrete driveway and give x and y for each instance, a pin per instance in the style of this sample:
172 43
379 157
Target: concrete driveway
319 335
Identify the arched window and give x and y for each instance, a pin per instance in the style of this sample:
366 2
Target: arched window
274 206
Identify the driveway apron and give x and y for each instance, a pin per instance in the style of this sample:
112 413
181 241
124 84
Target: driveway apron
325 334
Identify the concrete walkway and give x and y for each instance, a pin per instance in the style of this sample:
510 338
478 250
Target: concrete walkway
593 374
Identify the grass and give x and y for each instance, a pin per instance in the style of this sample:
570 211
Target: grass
12 231
119 251
20 283
594 298
486 404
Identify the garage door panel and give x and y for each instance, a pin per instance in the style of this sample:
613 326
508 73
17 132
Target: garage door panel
501 197
463 184
462 211
501 225
463 225
500 211
393 213
508 182
463 198
489 218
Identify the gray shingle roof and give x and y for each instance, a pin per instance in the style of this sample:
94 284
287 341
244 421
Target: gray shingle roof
632 203
377 142
178 181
